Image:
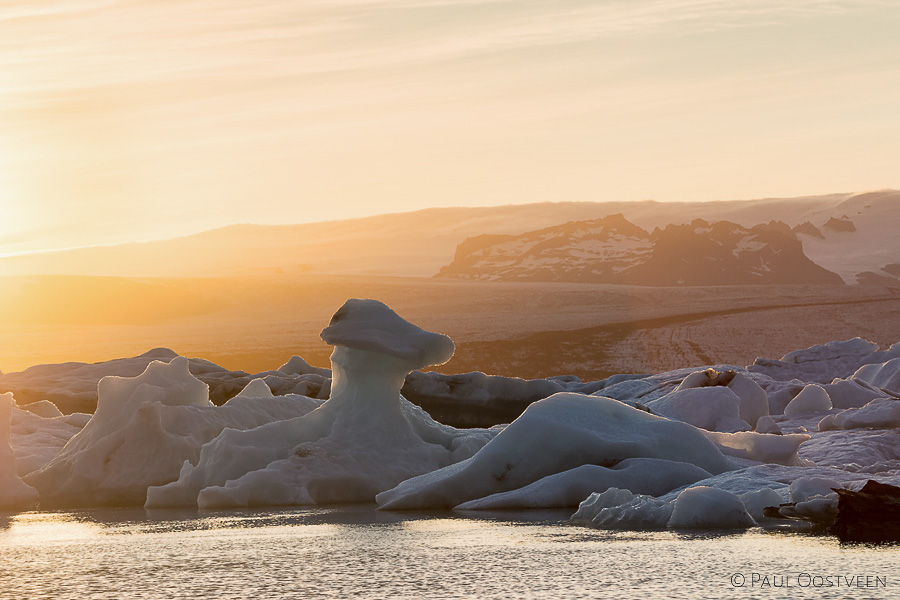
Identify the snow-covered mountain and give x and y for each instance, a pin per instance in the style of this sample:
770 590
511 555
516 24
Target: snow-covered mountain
859 239
419 243
613 250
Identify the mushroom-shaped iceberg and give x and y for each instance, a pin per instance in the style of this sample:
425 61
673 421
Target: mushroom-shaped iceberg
371 325
365 439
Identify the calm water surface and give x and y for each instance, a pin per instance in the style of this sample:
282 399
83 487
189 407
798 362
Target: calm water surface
357 552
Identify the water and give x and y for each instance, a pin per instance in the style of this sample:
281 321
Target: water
357 552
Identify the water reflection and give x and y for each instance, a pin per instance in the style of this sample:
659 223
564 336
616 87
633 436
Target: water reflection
356 551
41 528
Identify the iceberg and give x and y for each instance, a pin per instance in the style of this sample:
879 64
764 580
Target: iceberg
73 386
779 449
703 507
143 431
710 408
885 375
880 413
556 434
649 476
851 393
752 400
364 439
824 362
15 494
716 504
811 399
38 439
700 447
620 509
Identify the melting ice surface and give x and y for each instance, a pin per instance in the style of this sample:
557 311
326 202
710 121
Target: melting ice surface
358 552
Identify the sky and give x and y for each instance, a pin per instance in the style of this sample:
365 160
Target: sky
144 119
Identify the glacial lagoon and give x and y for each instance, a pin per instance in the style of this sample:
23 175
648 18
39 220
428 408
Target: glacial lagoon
355 551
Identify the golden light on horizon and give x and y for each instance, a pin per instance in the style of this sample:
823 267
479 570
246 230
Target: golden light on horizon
11 205
133 121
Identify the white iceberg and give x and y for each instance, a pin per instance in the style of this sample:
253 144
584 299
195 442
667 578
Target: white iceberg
767 424
854 450
72 386
757 501
703 507
710 408
880 413
824 362
297 366
761 447
755 487
851 393
37 439
366 438
804 488
885 375
752 400
812 499
556 434
156 438
143 431
811 399
620 509
14 493
650 476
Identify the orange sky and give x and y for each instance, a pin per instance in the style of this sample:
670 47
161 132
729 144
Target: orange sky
141 119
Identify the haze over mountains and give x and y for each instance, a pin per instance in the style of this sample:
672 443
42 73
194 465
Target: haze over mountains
613 250
420 243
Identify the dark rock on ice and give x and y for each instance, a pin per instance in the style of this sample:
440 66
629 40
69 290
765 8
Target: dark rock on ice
870 515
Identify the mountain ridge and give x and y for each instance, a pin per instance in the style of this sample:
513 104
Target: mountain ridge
419 243
613 250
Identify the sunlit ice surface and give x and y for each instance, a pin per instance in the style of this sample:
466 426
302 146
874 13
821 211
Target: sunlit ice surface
358 552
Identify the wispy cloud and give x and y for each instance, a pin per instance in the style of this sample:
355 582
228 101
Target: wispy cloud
165 102
98 41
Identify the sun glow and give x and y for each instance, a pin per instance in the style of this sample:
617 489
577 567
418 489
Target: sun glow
9 217
11 206
311 111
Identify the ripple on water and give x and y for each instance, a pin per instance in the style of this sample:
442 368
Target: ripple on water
357 552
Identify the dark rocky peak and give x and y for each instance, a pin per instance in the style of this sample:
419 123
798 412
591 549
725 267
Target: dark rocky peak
807 228
699 224
844 224
893 269
777 226
774 232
